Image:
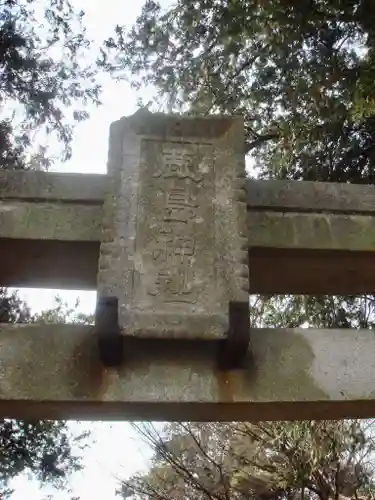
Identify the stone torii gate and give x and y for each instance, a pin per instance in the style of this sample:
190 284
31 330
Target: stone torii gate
174 238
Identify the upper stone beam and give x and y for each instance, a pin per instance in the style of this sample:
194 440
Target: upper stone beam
309 196
35 186
268 195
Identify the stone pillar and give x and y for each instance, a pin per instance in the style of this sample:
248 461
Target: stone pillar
174 243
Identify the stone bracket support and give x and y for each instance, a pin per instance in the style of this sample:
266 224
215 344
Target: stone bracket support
231 351
110 339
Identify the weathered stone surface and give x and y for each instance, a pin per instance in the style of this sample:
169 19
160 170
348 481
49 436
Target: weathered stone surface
288 252
314 272
174 247
42 263
308 196
311 231
50 221
50 186
266 195
82 222
297 374
49 218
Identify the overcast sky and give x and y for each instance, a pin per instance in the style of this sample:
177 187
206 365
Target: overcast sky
116 451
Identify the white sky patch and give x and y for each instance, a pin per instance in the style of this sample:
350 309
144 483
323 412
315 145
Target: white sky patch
116 453
41 299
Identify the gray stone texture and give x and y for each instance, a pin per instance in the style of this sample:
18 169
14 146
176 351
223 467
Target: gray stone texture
310 196
269 195
53 371
50 186
51 228
174 244
50 221
301 235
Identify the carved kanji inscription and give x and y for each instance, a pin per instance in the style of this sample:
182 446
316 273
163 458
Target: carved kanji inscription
176 210
175 246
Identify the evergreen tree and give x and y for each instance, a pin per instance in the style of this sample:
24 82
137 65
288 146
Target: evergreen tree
300 72
47 80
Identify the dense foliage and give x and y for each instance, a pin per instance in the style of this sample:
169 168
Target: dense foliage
46 79
261 461
300 72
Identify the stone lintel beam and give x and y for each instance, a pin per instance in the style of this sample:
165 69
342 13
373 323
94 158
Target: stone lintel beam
50 186
80 222
311 231
268 195
266 229
52 371
302 238
309 196
50 221
54 244
71 265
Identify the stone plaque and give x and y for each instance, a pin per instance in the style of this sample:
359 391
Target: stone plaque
174 245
